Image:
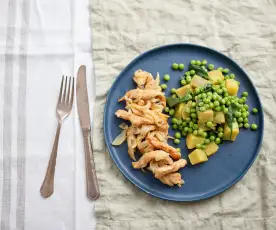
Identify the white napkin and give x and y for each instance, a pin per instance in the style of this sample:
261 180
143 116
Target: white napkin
39 42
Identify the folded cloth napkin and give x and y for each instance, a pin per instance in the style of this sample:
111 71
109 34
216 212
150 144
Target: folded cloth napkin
243 30
39 42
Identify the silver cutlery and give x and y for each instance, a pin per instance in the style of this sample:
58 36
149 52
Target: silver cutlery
83 109
63 109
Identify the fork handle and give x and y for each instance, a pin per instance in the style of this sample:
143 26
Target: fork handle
93 191
47 188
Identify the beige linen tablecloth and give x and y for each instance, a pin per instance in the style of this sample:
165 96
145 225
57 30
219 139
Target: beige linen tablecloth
244 30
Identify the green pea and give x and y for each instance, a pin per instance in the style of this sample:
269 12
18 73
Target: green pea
202 109
223 101
246 125
219 91
186 129
184 123
200 103
181 66
220 129
193 104
254 127
204 62
167 77
187 73
192 72
188 119
244 115
174 120
175 66
240 125
167 109
183 82
179 122
232 76
206 106
173 91
226 77
174 96
215 97
235 119
164 86
228 103
209 124
246 107
245 94
193 62
218 108
217 141
204 95
193 110
220 69
225 70
206 101
244 99
175 126
195 126
190 130
176 141
178 149
197 91
177 135
255 110
188 79
195 132
206 141
200 131
211 105
193 115
211 67
245 120
198 146
198 62
171 112
240 119
204 134
237 114
203 146
191 124
220 134
212 138
225 110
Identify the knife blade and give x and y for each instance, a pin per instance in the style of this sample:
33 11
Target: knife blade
83 109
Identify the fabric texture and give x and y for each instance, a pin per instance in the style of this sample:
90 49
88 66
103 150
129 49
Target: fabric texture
39 42
244 30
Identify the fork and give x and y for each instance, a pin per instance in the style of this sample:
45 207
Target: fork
63 109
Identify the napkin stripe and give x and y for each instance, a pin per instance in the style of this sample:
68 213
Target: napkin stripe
7 122
21 128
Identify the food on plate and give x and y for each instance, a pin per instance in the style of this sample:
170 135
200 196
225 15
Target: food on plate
211 149
148 131
197 156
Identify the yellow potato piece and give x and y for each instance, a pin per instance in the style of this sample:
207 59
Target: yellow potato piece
211 149
215 76
205 116
232 87
192 140
219 117
181 92
185 115
227 132
198 81
197 156
178 110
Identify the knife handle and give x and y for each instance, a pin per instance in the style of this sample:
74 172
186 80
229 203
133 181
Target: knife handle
93 191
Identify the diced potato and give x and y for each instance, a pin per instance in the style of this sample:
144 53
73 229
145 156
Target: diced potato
205 116
197 156
219 117
215 76
232 87
192 140
211 149
181 92
227 132
198 81
185 115
178 110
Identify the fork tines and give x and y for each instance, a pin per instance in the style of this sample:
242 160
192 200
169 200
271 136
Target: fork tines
66 94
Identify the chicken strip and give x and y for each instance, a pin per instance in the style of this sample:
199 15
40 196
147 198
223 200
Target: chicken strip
157 164
139 94
131 142
167 169
164 146
149 156
134 119
141 78
172 179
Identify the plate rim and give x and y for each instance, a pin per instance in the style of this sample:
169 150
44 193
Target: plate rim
202 197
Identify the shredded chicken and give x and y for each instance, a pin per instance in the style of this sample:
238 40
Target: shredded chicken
167 169
148 132
149 156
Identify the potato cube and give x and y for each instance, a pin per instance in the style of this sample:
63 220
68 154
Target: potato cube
192 140
219 117
181 92
198 81
185 115
215 76
178 110
232 87
211 149
205 116
197 156
227 132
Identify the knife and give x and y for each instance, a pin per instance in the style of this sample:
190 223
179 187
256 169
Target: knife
93 191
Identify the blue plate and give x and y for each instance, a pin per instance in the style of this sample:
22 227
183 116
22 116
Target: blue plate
223 169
